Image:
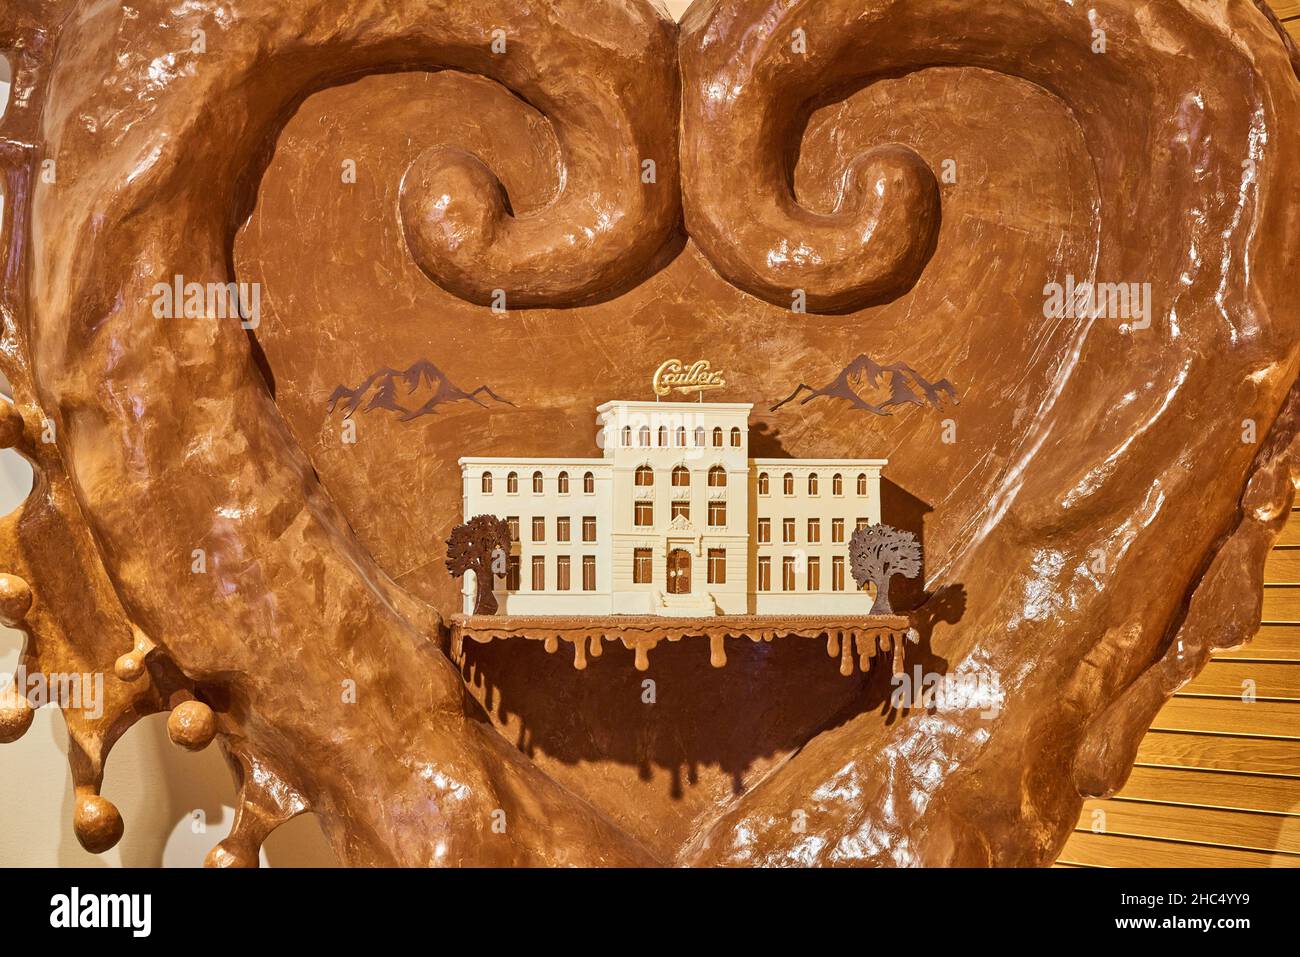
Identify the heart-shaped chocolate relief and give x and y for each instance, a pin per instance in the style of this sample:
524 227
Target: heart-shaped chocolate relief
1027 279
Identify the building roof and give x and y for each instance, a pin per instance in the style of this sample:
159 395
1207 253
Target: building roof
651 404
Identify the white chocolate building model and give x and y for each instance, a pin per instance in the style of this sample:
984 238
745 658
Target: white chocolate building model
675 518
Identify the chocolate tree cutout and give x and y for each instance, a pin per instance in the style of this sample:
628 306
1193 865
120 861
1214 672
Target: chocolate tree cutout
474 547
879 552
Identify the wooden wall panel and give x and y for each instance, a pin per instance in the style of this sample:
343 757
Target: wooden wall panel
1220 753
1108 850
1217 779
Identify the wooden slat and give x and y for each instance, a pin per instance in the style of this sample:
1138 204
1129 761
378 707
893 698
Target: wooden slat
1282 566
1244 792
1219 716
1230 678
1272 643
1109 850
1281 603
1259 832
1220 752
1293 27
1285 8
1290 534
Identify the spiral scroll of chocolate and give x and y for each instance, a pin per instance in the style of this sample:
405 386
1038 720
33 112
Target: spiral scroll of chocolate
918 173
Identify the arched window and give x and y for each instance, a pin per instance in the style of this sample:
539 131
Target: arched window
735 438
563 481
717 437
699 436
643 436
589 484
645 476
812 483
862 483
717 477
487 483
680 438
537 483
764 484
512 483
837 484
787 483
627 435
681 477
663 436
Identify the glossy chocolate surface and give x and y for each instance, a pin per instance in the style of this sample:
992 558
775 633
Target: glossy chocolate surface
1095 513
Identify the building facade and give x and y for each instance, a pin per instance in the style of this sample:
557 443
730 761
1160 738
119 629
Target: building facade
675 518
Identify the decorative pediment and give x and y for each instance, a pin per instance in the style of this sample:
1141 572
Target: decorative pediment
680 524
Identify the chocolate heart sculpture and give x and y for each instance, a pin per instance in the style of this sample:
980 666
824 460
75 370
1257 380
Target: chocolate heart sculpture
547 200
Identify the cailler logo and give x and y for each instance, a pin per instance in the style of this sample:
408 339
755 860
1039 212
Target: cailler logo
673 375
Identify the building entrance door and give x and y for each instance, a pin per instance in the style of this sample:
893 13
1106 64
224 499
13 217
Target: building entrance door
679 572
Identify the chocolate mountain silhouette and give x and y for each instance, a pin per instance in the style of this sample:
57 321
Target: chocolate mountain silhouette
426 388
873 387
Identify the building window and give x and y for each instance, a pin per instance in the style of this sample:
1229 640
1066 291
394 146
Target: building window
814 574
588 572
562 528
645 476
539 529
644 514
837 531
589 528
812 483
861 523
512 573
680 509
512 483
681 477
717 566
717 437
699 436
764 483
717 477
764 531
787 573
717 514
837 484
764 573
643 436
537 483
589 484
562 481
837 573
679 437
735 438
513 523
487 483
814 531
862 483
641 570
787 483
627 436
787 529
562 572
539 573
663 436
